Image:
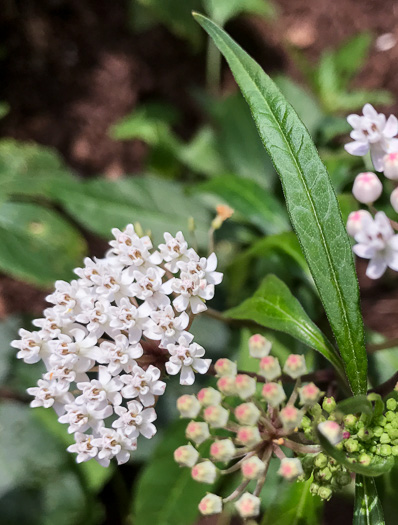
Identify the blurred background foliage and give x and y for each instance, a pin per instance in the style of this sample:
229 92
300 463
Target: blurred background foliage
54 212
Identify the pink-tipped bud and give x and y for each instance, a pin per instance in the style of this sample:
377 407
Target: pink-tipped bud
204 472
259 346
248 506
252 468
245 386
391 166
354 221
210 504
291 417
247 414
248 436
332 431
216 416
209 396
186 455
273 393
197 432
188 406
222 450
295 366
394 199
226 385
309 394
367 187
225 367
270 368
290 468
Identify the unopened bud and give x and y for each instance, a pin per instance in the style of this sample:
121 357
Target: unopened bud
329 404
252 468
273 393
222 450
216 416
186 455
365 434
210 504
321 460
209 396
188 406
309 394
247 414
226 385
354 221
248 436
245 386
197 432
365 459
343 478
291 417
367 187
325 493
204 472
385 450
391 404
290 468
259 346
331 430
394 199
324 474
295 366
248 506
391 166
224 212
350 421
225 367
270 368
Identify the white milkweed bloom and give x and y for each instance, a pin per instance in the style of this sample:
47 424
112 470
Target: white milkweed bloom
186 359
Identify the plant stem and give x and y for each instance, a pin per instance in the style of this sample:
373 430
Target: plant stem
300 448
237 492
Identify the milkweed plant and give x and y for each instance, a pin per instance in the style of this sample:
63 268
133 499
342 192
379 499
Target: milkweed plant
114 337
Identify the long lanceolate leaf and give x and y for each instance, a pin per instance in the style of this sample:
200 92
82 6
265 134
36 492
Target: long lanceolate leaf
311 202
367 509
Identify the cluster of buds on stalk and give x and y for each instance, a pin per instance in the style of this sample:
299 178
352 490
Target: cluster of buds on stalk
249 419
372 230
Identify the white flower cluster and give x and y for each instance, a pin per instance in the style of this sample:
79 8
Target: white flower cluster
92 338
374 235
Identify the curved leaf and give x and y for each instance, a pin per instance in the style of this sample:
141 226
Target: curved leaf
367 506
311 202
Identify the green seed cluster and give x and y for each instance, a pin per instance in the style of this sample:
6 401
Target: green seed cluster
328 476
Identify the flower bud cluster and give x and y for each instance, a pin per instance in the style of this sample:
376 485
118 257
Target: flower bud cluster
374 236
99 339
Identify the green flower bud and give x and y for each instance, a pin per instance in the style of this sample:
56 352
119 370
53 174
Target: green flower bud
394 450
321 460
364 434
325 493
351 445
385 438
391 404
343 478
329 404
381 421
350 421
385 450
314 488
316 410
324 474
378 431
306 422
393 433
360 424
390 416
364 459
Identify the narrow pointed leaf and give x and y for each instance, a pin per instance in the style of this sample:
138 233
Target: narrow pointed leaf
311 202
367 507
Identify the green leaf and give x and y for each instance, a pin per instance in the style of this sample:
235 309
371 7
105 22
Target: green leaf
367 506
378 467
223 10
37 245
311 203
355 404
273 306
165 493
351 56
254 203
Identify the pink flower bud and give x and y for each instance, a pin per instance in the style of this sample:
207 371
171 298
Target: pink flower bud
290 468
248 436
245 386
273 393
394 199
216 416
391 166
197 432
259 346
204 472
252 468
354 221
225 367
188 406
222 450
331 430
248 506
367 187
291 417
226 385
270 368
247 414
186 455
210 504
309 394
209 396
295 366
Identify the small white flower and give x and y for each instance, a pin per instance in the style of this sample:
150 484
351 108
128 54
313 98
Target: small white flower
367 187
192 291
32 348
165 326
95 314
78 353
51 394
148 287
113 444
83 447
119 355
202 267
372 132
377 242
174 250
129 318
82 417
51 325
65 297
135 420
186 358
143 384
98 392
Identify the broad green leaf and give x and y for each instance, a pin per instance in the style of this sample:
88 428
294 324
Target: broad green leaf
367 506
37 245
254 203
355 404
165 494
311 203
273 306
378 467
223 10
